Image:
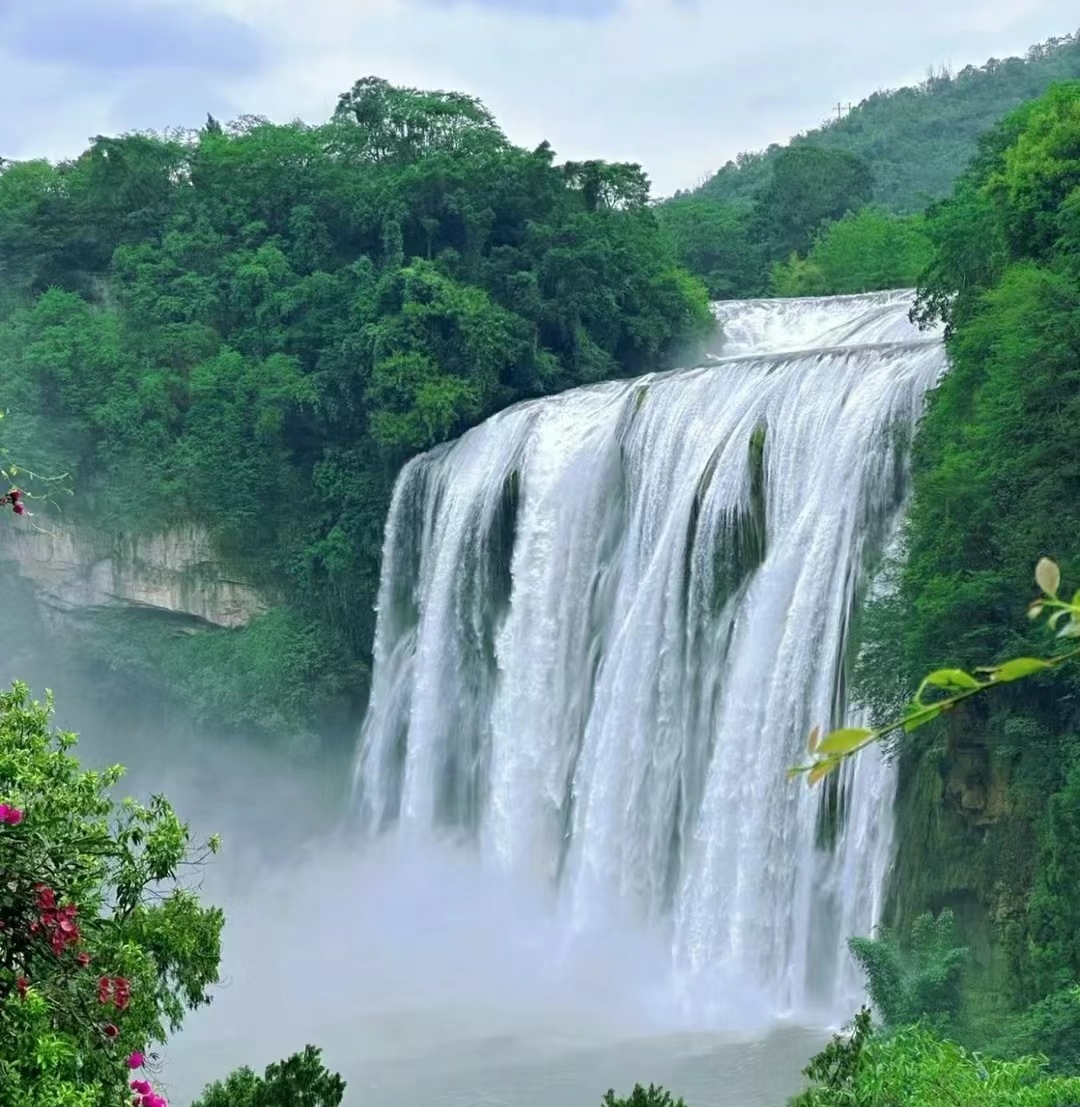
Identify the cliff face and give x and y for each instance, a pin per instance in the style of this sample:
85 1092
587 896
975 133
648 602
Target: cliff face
175 573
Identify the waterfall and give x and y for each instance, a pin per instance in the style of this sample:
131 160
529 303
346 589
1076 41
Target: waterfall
608 619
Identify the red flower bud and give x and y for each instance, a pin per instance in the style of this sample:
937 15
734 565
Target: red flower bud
110 1030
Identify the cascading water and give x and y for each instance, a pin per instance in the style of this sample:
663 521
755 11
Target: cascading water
608 619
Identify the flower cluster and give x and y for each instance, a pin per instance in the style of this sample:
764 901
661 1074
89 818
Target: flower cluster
117 988
145 1096
15 499
57 922
12 816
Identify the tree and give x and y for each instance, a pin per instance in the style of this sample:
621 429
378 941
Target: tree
405 124
641 1096
714 241
300 1081
917 980
915 1068
608 186
867 251
810 185
103 946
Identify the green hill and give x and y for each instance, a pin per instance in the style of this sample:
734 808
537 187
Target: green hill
913 144
918 140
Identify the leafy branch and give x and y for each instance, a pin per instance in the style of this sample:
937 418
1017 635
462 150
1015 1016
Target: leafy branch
943 689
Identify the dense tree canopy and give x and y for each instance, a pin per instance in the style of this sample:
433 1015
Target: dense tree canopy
253 325
865 251
809 186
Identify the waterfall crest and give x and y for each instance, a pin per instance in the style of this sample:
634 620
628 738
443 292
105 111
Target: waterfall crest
608 618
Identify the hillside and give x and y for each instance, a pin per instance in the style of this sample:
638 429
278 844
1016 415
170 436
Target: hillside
917 140
894 154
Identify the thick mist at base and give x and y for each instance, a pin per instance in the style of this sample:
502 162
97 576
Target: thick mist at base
426 977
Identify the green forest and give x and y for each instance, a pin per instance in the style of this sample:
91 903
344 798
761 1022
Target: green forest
252 326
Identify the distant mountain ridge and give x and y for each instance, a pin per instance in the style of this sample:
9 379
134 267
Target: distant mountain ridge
916 139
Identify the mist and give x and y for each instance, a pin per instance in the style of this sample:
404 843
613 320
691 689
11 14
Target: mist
421 974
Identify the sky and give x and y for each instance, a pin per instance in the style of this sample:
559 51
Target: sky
680 86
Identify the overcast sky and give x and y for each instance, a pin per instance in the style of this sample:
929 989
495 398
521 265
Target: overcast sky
678 85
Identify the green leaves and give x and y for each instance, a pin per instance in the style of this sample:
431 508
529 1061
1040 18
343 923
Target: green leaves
844 741
956 684
862 252
1048 577
1016 669
953 680
265 304
299 1081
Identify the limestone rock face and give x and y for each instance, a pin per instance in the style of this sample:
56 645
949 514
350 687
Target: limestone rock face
172 573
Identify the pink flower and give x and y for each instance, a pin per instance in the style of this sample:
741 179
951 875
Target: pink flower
10 815
83 959
136 1060
141 1087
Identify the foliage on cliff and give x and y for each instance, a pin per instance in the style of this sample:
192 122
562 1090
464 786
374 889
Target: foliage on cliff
988 803
914 143
253 325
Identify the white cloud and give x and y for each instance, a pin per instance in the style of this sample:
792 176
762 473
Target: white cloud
678 86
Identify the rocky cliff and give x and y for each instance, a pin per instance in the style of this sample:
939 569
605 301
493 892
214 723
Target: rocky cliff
74 572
